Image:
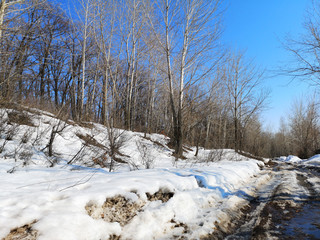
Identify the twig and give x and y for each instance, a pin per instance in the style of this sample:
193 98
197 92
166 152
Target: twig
79 182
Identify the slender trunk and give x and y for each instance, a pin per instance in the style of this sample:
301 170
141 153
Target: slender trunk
2 12
42 76
131 76
3 6
198 143
108 74
105 98
149 110
82 79
84 52
179 136
207 132
91 110
134 104
224 143
236 137
56 92
170 80
73 101
150 123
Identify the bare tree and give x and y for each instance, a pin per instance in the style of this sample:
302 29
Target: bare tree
4 6
14 44
85 28
217 110
281 145
104 31
132 33
306 49
246 99
304 128
188 30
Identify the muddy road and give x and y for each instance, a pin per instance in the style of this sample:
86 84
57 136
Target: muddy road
286 207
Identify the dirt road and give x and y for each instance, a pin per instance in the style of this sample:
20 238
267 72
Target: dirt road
287 207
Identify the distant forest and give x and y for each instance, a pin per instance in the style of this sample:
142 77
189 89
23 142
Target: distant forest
154 66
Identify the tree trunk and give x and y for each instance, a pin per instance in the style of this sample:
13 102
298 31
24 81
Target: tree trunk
105 98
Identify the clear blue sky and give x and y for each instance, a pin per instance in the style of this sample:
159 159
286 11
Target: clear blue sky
257 26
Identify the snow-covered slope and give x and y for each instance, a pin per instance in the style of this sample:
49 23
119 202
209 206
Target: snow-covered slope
73 195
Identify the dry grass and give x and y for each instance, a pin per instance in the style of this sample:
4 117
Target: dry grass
25 232
20 118
156 143
89 140
121 210
249 155
115 209
160 195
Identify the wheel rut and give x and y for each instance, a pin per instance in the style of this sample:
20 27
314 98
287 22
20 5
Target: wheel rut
287 207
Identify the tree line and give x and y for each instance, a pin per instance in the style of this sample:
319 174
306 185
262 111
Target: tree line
141 65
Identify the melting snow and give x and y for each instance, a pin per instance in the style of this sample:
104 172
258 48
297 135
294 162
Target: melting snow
54 201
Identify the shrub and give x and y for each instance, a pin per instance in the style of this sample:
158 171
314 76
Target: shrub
20 118
145 155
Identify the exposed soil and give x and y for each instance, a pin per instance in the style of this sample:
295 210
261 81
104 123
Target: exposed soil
121 210
160 195
180 225
116 209
25 232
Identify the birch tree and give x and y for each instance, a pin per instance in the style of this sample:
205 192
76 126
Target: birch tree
187 31
134 22
85 16
104 31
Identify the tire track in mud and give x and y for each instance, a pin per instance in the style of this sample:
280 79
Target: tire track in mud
280 209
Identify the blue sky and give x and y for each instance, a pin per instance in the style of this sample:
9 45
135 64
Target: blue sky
259 26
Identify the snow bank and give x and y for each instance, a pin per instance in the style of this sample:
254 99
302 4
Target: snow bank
291 159
312 161
55 198
315 161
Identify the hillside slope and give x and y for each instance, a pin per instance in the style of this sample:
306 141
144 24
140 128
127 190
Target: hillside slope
132 188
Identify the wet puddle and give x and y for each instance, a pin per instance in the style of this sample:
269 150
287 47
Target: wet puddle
306 223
